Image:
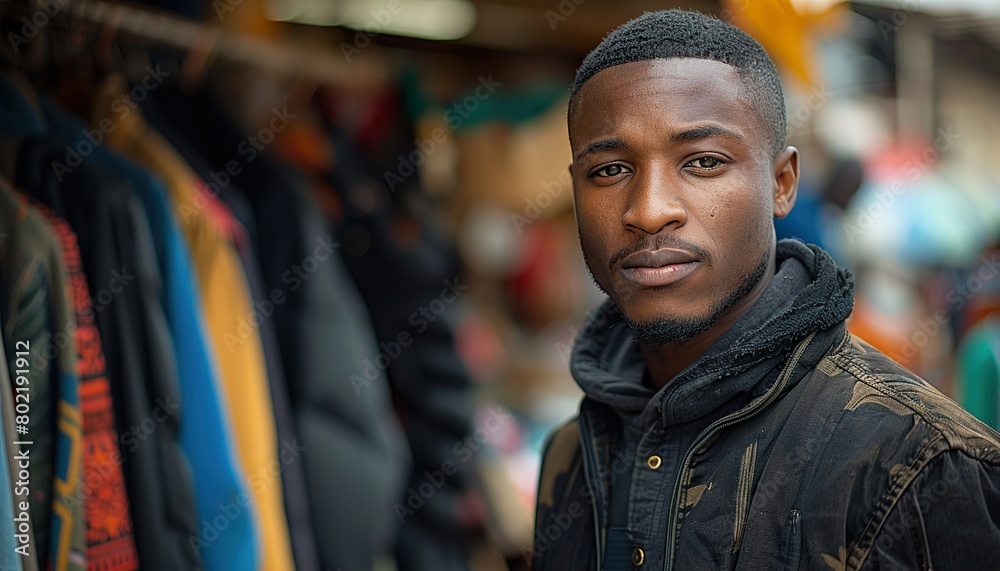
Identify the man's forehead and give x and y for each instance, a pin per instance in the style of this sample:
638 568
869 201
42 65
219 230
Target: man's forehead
685 88
665 67
662 74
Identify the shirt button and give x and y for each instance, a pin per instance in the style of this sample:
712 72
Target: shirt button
654 462
638 556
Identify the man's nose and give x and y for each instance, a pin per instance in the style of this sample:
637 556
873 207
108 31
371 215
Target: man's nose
654 202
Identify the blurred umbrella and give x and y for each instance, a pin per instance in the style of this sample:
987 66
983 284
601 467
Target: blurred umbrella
927 222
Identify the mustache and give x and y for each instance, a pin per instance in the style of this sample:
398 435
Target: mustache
657 242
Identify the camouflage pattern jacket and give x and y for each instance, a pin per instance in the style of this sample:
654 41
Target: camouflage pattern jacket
846 461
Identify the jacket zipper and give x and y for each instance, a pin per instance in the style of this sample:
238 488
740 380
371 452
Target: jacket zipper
722 423
744 485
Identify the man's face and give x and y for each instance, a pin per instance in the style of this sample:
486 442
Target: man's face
675 189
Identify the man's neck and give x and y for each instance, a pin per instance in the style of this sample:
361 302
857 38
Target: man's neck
665 362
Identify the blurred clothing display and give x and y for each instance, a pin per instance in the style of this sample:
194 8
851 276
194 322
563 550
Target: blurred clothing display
301 290
428 376
110 544
38 314
249 398
205 435
347 432
226 298
119 262
244 233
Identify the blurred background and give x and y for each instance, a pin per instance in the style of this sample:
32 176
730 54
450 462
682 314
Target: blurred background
358 265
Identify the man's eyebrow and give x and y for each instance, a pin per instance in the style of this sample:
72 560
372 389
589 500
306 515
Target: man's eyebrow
688 136
602 145
699 133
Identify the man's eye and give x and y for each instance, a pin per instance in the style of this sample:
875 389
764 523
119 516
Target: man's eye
706 162
610 170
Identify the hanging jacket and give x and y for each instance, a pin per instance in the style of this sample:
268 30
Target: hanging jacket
226 294
38 312
428 376
110 543
26 559
354 452
119 259
834 457
297 503
116 251
206 433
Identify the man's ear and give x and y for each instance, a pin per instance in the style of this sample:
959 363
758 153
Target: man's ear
786 181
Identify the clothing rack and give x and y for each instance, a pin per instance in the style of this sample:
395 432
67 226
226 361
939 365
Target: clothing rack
324 66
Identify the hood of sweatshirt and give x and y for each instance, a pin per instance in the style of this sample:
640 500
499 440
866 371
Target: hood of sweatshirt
808 293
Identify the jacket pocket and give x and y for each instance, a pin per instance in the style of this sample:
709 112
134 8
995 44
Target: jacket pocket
743 489
793 541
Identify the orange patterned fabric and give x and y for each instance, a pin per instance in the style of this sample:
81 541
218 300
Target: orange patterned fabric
110 545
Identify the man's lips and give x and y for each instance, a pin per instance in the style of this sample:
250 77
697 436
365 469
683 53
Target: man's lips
655 268
657 258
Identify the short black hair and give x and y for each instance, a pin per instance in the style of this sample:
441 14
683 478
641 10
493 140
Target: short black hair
688 34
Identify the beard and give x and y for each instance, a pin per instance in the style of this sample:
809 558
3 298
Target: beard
673 330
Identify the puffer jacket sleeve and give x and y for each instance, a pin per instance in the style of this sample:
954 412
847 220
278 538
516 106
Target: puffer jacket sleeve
947 519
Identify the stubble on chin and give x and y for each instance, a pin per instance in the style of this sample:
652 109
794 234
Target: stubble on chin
674 330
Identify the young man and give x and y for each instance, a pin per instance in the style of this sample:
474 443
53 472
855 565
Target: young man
730 420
